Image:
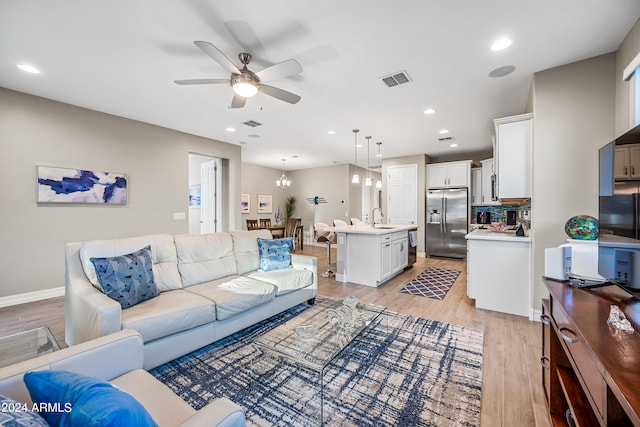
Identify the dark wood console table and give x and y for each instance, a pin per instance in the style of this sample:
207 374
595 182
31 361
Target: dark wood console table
589 367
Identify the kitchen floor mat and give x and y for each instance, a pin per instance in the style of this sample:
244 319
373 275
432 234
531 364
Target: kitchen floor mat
434 282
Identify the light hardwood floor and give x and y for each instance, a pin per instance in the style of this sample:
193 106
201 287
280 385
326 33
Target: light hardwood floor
512 393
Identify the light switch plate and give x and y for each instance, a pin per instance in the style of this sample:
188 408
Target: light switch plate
179 215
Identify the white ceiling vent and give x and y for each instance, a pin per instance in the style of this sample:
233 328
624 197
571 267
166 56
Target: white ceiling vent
446 139
252 123
396 79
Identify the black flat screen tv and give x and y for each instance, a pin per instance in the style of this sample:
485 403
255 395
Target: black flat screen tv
619 211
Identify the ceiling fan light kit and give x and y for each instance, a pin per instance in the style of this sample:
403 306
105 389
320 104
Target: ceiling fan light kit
246 83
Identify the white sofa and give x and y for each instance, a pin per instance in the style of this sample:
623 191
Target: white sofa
210 287
117 358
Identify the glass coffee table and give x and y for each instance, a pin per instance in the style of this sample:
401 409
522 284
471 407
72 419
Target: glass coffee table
314 338
26 345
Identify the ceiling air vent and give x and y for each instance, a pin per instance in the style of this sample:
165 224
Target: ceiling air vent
445 139
396 79
252 123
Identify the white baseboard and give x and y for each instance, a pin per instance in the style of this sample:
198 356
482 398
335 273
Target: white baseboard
535 315
31 296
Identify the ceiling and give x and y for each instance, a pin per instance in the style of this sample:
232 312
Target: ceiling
122 57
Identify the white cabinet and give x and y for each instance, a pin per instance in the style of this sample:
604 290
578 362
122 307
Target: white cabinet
449 174
489 196
626 162
476 186
514 139
372 259
499 275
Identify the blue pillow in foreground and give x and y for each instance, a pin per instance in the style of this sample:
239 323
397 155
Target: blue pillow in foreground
275 254
128 278
72 399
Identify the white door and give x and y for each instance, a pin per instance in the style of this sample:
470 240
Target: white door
209 188
403 194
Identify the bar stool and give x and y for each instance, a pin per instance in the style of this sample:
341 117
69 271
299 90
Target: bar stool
356 221
323 235
339 223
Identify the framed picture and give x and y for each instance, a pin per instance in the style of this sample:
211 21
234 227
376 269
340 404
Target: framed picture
64 185
265 204
194 196
245 203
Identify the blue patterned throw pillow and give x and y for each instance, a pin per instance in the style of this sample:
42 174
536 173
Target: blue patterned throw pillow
275 254
19 414
128 278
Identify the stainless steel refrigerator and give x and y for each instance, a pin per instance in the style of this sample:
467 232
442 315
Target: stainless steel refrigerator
447 222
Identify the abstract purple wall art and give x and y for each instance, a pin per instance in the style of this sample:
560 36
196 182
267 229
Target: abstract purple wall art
62 185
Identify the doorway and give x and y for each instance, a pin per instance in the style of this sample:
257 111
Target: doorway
205 190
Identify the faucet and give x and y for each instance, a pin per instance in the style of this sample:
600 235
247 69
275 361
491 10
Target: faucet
373 216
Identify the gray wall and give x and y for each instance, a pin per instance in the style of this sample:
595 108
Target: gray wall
333 183
573 108
627 51
36 131
262 180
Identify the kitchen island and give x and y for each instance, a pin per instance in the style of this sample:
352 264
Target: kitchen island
499 271
369 255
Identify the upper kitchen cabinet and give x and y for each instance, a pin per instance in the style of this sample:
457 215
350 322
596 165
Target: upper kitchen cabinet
489 196
476 186
514 138
626 162
449 174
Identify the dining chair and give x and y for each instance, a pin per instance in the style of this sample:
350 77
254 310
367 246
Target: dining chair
265 222
356 221
252 224
339 223
323 235
291 230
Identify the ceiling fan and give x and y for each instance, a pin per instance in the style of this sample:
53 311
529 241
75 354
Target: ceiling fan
246 83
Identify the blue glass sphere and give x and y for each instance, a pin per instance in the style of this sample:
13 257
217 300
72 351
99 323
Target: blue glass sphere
582 227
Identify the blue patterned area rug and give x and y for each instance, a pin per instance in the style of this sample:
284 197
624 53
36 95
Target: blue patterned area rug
403 371
434 282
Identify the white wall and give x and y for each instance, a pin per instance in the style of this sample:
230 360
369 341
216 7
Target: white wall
36 131
573 108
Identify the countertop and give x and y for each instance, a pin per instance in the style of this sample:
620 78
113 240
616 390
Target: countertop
379 229
497 235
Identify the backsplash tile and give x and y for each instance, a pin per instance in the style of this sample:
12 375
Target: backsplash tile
498 213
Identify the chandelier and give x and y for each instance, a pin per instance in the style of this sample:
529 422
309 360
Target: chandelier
284 182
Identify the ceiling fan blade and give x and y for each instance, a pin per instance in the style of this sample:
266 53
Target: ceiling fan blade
217 56
278 71
281 94
238 101
201 81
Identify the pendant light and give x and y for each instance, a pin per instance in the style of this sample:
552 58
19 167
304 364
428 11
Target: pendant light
367 181
379 182
355 179
284 181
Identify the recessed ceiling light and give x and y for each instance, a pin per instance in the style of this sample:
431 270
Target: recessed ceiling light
429 111
502 71
230 129
444 131
454 145
29 68
501 44
332 132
